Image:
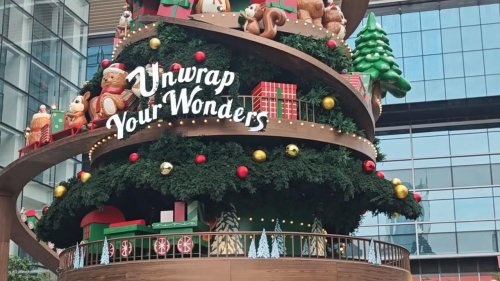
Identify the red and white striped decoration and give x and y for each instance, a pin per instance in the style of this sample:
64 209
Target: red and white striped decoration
265 98
355 80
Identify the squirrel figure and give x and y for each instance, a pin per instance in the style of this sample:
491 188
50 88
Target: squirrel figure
271 17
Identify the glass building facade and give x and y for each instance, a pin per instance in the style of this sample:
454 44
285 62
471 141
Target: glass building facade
43 47
448 54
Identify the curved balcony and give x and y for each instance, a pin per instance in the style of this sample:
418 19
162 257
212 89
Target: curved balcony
197 256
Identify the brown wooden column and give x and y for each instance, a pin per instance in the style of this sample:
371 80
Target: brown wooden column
6 208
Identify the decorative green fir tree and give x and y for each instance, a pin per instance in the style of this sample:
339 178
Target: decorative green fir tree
373 55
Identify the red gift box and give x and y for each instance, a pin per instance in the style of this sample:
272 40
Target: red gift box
175 8
278 99
289 6
144 7
355 80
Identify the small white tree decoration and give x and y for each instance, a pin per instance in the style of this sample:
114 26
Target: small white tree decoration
377 252
76 258
263 251
105 252
279 237
372 259
252 252
275 253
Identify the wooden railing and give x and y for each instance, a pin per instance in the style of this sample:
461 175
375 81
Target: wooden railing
233 245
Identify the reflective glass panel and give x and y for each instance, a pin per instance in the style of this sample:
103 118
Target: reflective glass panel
476 86
46 46
455 88
476 226
73 32
469 15
473 192
19 27
484 241
396 44
413 70
451 18
412 44
430 20
391 24
79 7
490 42
433 67
437 243
417 92
433 178
473 63
48 12
491 61
14 66
474 209
437 210
431 42
493 85
451 40
467 144
474 175
490 13
410 22
453 65
44 85
14 113
11 141
433 146
435 90
471 38
396 148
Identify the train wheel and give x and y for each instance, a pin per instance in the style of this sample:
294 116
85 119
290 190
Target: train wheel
125 248
185 244
111 249
162 246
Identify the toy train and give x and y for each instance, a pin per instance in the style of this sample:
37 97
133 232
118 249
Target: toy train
110 222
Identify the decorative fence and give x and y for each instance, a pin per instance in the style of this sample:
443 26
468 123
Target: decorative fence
203 245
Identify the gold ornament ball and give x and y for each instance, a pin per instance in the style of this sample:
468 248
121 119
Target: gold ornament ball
292 150
396 181
259 156
85 177
59 191
166 168
396 215
328 103
401 191
154 43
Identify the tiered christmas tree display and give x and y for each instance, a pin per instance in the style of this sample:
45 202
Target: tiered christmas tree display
288 177
373 55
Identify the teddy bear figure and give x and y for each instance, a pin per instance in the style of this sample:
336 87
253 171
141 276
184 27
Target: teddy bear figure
311 11
333 20
114 96
75 116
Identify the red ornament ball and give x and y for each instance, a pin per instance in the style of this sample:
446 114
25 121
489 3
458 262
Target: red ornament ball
45 210
175 67
417 197
380 174
369 166
79 174
242 172
105 63
200 159
200 56
133 157
331 44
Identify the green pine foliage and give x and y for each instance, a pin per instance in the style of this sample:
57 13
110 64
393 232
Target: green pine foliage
323 181
373 55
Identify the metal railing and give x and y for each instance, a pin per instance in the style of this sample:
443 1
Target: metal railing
233 245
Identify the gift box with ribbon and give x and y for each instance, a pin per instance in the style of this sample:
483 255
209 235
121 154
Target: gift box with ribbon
175 8
289 6
278 99
359 81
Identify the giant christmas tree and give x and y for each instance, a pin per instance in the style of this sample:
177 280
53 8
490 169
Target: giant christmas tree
290 178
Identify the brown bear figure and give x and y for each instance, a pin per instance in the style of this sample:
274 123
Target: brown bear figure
334 21
311 11
114 95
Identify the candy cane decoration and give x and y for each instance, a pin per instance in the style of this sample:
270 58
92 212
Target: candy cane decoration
162 246
185 244
125 248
